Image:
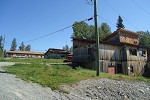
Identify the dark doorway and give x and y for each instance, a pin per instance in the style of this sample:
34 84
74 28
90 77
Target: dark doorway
119 68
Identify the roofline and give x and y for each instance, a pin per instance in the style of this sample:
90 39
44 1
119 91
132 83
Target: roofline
116 44
25 52
87 40
121 30
63 51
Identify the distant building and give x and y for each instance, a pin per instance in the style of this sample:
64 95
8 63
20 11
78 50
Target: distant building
56 54
120 50
24 54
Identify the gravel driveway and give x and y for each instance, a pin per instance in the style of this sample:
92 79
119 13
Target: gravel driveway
12 88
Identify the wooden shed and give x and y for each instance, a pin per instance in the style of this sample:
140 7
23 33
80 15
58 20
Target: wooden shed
121 49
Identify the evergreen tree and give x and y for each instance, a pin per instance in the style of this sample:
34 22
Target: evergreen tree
13 45
22 47
66 48
28 48
1 43
119 23
71 49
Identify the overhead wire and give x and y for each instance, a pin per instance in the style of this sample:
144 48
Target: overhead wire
141 7
117 12
55 31
106 20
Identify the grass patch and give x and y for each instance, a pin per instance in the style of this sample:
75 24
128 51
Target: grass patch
53 76
50 76
32 60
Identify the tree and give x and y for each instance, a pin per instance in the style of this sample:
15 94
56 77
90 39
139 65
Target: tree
28 48
1 43
144 38
71 49
81 30
104 31
13 45
66 48
22 47
119 23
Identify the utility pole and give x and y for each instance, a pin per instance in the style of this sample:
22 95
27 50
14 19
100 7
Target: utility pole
97 38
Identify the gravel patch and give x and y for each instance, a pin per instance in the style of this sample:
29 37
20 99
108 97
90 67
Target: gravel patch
106 89
12 88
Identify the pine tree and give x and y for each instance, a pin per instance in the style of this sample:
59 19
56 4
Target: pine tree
13 45
22 47
28 48
1 43
119 23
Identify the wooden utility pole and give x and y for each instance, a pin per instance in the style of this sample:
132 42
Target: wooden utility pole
97 38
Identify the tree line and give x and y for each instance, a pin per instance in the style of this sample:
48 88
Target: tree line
83 30
22 47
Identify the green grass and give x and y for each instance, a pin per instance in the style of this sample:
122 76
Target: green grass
51 76
32 60
54 76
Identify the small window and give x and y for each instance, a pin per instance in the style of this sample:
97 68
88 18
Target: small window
142 53
133 52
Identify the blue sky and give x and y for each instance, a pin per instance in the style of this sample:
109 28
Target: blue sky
26 20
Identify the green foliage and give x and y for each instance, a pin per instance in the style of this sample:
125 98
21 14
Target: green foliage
1 53
104 31
1 42
119 23
51 76
66 48
22 47
144 38
54 76
83 30
28 48
13 45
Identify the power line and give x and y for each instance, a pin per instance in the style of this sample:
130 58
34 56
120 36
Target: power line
106 20
90 2
117 12
141 7
55 31
48 34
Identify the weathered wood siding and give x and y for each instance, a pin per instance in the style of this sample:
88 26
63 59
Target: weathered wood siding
109 52
137 57
82 54
114 39
138 67
129 38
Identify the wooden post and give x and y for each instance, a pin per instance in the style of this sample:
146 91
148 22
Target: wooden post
97 38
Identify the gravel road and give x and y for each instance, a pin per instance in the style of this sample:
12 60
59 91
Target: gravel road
12 88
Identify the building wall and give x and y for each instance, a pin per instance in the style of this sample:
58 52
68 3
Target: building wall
129 38
55 56
25 56
113 55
